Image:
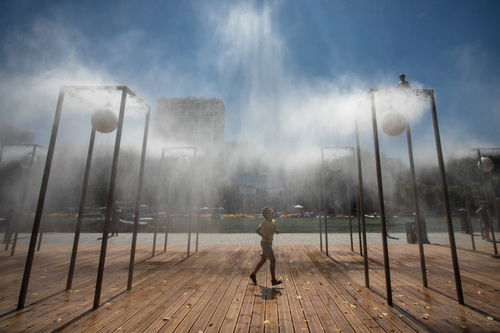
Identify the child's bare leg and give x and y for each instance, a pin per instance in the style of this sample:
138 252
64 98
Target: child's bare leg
272 267
259 265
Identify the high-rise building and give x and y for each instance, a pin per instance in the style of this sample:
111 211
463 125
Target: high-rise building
192 121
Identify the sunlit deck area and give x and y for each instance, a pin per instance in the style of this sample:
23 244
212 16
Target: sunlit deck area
210 290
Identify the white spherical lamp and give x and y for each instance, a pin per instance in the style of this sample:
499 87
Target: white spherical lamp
394 123
486 163
104 120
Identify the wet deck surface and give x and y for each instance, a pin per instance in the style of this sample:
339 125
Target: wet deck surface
210 291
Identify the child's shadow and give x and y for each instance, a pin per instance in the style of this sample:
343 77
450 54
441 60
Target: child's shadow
269 293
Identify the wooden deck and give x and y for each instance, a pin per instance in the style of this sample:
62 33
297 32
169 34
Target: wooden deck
210 291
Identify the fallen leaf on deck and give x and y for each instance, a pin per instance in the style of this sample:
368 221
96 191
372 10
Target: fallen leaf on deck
385 313
489 318
188 305
59 319
353 306
415 303
380 316
210 325
375 308
166 319
425 316
400 315
304 329
427 307
338 330
349 283
200 331
267 322
299 297
358 290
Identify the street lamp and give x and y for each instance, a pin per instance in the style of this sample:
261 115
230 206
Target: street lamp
398 125
102 122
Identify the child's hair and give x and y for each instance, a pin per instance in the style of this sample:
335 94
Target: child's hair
266 210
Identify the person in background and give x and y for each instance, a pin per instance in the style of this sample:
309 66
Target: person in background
266 230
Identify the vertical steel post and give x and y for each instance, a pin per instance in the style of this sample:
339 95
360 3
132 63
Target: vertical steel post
321 206
449 223
109 202
155 221
197 222
83 195
138 198
361 206
359 224
417 207
469 217
325 206
167 225
349 212
380 186
41 200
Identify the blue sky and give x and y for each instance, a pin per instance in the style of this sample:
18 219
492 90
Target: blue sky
262 58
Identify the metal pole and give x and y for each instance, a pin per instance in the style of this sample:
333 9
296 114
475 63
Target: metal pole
138 197
23 202
325 208
469 217
451 235
154 236
167 224
189 233
380 186
41 199
197 222
321 207
109 203
79 220
417 207
359 224
349 212
361 207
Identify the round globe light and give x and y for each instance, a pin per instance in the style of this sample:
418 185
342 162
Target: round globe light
104 120
487 164
394 123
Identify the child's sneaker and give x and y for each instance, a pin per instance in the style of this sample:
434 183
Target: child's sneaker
275 282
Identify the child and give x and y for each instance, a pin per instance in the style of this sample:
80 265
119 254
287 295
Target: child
266 230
